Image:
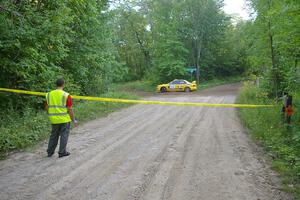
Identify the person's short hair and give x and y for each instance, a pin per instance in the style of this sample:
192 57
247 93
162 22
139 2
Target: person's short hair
60 82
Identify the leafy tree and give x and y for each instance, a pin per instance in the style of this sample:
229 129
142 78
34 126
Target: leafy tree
202 22
276 47
42 40
169 51
133 39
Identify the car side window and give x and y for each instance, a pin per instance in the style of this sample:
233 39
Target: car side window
182 82
174 82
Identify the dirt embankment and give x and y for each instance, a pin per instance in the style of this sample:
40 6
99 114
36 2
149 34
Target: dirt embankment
150 152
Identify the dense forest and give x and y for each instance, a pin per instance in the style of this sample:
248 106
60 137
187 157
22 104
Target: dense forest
93 43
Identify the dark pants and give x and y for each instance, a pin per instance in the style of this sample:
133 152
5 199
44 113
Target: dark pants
63 131
288 119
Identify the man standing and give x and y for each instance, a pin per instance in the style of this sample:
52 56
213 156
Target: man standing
59 109
289 109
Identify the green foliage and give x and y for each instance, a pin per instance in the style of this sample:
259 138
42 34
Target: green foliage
134 86
170 62
215 82
132 40
169 52
281 142
19 132
159 39
43 40
271 43
279 21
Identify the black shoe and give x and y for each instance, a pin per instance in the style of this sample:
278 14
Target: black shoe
64 154
50 155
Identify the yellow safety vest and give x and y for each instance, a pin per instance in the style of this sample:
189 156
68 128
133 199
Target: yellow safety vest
57 107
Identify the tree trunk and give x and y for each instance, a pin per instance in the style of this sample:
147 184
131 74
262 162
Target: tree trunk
198 64
198 51
274 64
144 50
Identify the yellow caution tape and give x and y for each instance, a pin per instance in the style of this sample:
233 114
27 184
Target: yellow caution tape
140 101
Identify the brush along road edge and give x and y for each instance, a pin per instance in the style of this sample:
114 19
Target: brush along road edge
114 100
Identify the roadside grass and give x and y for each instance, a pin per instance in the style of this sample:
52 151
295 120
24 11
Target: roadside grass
134 87
22 132
215 82
281 142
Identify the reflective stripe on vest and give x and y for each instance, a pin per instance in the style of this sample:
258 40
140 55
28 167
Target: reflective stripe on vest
57 109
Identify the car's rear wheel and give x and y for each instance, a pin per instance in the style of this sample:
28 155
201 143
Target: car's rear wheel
163 89
187 89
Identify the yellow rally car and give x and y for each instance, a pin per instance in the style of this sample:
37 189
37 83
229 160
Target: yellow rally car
177 85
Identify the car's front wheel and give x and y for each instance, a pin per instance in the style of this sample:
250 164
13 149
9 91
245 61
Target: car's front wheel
187 89
163 89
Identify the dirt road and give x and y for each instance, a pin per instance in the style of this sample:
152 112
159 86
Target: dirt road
150 152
